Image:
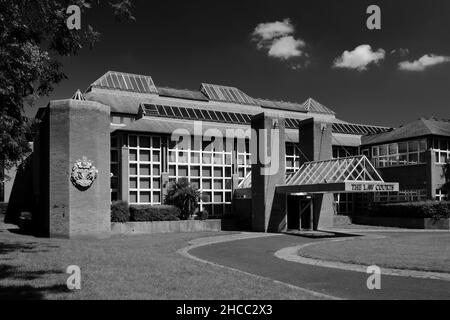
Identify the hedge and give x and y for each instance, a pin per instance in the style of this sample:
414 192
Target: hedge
120 211
140 213
423 209
3 207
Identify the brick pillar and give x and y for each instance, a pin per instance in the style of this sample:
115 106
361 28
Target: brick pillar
266 214
315 141
78 129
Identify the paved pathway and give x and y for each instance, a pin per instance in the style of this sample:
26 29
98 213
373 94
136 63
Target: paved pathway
256 256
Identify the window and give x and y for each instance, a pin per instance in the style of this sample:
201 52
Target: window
144 169
208 167
115 168
401 196
441 148
344 203
441 195
244 165
292 157
399 154
121 120
344 152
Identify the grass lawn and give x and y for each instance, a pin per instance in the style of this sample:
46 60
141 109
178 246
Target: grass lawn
416 251
132 267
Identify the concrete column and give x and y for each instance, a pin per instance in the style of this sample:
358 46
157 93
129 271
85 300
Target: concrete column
268 141
316 143
77 130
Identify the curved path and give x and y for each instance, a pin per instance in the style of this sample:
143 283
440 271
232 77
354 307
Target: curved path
256 256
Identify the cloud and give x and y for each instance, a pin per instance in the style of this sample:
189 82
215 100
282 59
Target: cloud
272 30
423 63
359 58
277 39
286 47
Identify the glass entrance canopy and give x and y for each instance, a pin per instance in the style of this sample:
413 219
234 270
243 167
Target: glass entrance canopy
351 174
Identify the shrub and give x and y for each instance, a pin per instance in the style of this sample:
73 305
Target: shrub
202 215
3 207
185 197
120 211
154 213
423 209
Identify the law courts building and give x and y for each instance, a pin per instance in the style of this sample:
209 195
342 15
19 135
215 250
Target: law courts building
115 142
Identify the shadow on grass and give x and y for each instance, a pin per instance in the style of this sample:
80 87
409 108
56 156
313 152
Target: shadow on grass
25 247
25 291
14 280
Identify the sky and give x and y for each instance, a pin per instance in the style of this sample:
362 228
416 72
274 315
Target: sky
283 50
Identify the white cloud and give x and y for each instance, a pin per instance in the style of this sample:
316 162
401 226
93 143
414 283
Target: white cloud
286 48
278 40
359 58
423 63
271 30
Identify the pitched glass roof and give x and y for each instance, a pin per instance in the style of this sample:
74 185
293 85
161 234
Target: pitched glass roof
126 82
339 170
189 113
350 169
226 94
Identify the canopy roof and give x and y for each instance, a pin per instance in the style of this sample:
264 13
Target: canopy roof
351 174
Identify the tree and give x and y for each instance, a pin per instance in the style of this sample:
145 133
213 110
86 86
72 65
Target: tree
185 197
33 34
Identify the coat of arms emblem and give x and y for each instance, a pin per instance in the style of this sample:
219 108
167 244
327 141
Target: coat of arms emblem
83 174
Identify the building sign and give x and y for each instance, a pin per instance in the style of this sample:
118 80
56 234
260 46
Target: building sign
371 187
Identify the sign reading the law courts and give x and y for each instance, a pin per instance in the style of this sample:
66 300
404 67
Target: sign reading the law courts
371 187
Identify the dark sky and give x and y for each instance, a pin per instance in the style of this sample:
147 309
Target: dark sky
183 43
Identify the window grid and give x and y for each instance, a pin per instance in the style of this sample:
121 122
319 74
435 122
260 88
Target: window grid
441 148
208 170
399 153
243 158
115 168
144 180
401 196
344 203
441 195
292 157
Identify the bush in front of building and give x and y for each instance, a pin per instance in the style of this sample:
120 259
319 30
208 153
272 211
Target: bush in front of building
120 211
184 196
147 213
202 215
3 207
421 210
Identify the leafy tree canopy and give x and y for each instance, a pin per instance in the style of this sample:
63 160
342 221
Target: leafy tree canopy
33 33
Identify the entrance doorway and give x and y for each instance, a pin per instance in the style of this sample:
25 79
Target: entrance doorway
299 212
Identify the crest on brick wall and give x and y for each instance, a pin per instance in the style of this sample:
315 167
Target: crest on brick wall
83 174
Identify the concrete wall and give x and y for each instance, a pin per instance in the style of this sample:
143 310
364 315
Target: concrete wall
268 213
156 227
409 223
316 144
